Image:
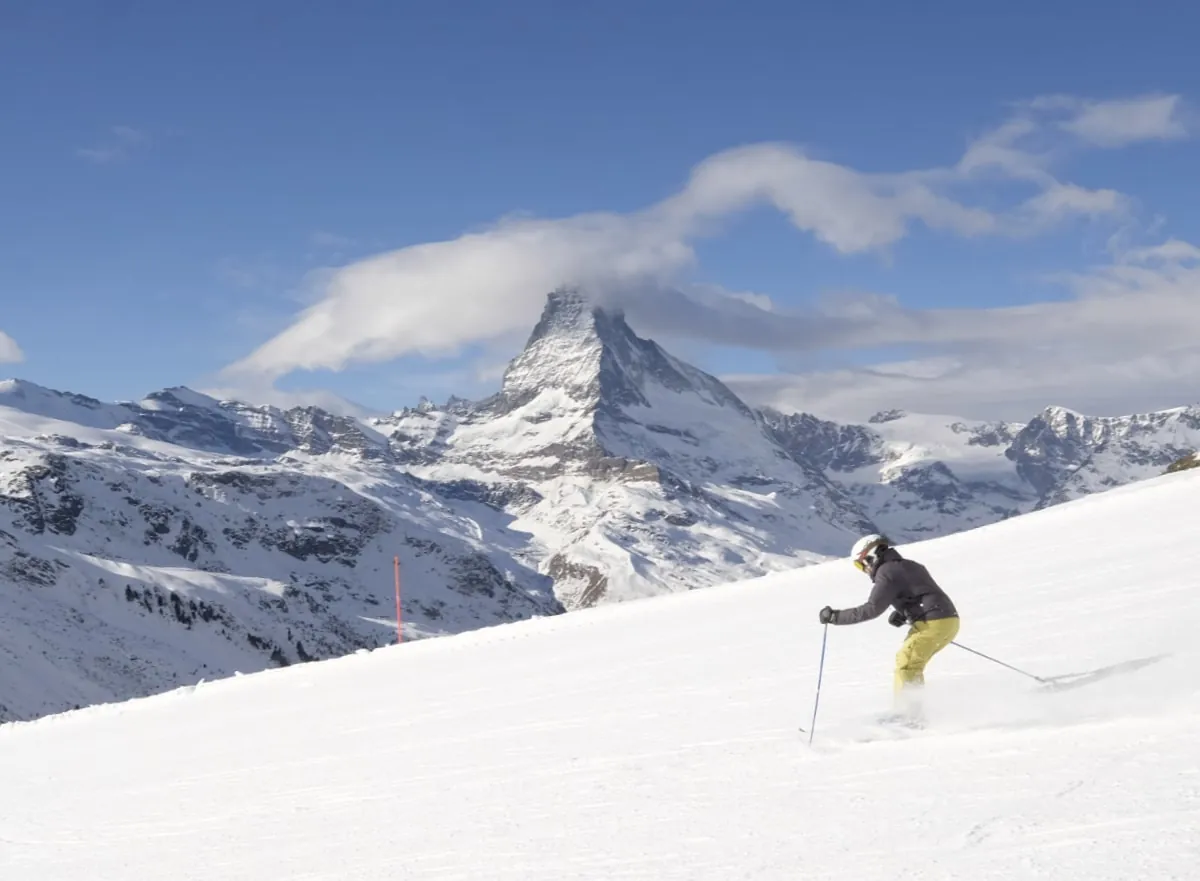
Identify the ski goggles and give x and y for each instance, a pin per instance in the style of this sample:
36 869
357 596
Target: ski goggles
860 565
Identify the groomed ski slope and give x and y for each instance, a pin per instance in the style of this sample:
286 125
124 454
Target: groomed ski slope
658 739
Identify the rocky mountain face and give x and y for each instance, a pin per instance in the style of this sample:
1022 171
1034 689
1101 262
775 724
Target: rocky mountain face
920 476
913 476
149 545
1066 455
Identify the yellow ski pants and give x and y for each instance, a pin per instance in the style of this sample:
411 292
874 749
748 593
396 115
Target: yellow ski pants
924 640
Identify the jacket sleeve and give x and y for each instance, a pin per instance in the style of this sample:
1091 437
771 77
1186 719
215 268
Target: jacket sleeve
877 603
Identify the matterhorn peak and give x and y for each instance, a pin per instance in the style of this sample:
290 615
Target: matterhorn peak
572 344
574 313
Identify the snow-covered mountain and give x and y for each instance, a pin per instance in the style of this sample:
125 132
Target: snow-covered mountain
914 475
633 472
920 476
1066 455
147 545
143 546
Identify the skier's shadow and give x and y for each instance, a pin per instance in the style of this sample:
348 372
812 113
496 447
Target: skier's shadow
1078 680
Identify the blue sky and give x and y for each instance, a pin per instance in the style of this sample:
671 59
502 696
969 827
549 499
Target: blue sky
180 182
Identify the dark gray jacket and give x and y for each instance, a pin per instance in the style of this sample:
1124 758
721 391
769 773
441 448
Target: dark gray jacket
906 585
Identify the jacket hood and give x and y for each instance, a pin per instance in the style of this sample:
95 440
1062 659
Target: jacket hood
888 555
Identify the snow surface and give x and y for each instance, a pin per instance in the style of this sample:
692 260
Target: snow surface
918 438
658 739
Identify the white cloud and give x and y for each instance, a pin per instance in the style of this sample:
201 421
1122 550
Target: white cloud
762 301
1128 341
432 299
1117 123
1015 389
997 151
10 352
846 209
1060 201
1022 149
435 298
119 144
1170 251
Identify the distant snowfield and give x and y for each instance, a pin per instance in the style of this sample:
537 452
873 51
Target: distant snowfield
658 739
915 438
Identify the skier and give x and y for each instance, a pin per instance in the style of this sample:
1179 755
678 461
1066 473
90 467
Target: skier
918 601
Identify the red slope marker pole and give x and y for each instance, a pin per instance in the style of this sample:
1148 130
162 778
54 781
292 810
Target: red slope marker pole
399 632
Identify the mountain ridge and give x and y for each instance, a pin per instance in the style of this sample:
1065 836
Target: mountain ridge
215 535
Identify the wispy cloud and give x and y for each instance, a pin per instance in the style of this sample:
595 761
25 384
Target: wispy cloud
1061 201
1121 122
118 144
1126 340
10 352
999 151
846 209
1024 148
1014 388
434 298
1148 296
1170 251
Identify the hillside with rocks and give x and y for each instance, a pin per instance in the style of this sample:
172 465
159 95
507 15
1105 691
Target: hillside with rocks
148 546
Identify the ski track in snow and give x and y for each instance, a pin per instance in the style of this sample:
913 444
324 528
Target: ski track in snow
659 739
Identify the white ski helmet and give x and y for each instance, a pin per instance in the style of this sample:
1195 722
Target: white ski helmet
862 555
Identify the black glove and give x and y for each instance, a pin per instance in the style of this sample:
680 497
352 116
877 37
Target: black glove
897 619
828 616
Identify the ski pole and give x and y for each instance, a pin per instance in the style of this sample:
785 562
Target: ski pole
820 672
1001 663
